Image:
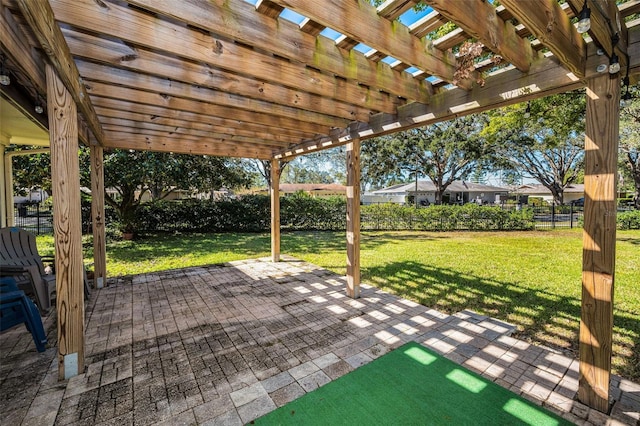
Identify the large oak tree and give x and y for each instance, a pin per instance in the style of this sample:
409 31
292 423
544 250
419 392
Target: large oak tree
543 139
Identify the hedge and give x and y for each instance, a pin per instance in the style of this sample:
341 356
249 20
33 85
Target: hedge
629 219
302 212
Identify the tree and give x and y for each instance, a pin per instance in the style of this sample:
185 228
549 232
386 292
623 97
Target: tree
132 173
31 171
543 139
444 152
630 141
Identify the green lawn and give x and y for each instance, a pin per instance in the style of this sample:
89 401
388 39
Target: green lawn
531 279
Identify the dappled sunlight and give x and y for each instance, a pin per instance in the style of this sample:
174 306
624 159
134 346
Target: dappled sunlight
466 380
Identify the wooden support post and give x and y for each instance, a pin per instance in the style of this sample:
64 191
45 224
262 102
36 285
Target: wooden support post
599 240
65 174
8 190
97 215
353 219
275 210
4 203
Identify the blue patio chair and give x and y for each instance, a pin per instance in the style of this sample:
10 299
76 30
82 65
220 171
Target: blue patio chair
16 308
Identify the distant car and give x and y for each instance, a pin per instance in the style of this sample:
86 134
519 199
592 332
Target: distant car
578 202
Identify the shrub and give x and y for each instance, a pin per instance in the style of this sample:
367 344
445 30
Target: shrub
629 220
302 212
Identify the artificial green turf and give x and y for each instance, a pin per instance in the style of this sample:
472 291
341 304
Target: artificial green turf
411 386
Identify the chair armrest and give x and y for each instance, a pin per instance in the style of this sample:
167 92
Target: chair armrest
8 270
11 296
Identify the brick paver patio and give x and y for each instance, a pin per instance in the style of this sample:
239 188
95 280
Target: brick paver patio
226 344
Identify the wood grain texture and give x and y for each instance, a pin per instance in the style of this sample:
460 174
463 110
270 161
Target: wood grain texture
14 43
183 104
353 219
42 21
237 106
506 88
601 29
274 190
550 24
65 175
177 145
288 40
359 19
599 240
479 19
97 215
349 100
160 114
143 30
118 117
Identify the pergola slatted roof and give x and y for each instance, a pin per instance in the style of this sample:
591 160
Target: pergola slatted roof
287 88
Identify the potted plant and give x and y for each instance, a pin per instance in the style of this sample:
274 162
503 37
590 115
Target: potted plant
128 226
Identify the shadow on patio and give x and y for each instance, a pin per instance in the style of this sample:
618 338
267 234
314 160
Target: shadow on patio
225 344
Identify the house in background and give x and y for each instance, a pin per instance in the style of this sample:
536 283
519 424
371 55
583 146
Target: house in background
311 189
572 193
459 192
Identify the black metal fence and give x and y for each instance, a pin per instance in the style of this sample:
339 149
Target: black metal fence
551 217
33 217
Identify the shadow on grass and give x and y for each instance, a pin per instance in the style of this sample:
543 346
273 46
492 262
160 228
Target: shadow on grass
323 241
541 317
169 245
634 241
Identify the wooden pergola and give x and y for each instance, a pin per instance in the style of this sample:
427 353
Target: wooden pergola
234 78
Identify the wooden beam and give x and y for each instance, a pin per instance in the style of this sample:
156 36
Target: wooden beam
451 39
65 175
269 8
43 23
349 99
550 24
274 191
599 240
188 139
479 18
183 130
162 115
353 219
97 217
288 40
236 105
236 58
182 104
427 24
359 20
311 27
505 87
629 8
226 127
391 9
13 42
606 21
164 144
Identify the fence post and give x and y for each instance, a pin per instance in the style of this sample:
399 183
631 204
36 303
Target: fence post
553 216
571 216
38 219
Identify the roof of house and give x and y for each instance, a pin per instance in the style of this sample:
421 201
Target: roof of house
538 189
428 186
309 187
